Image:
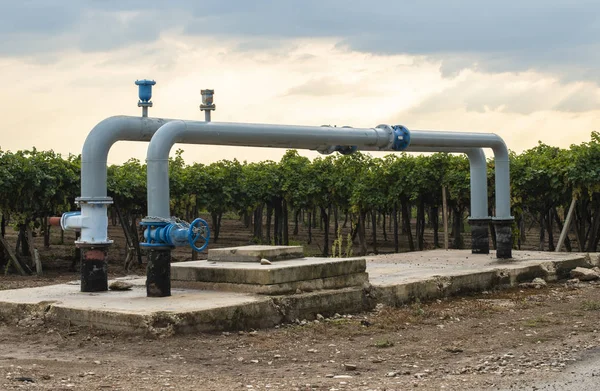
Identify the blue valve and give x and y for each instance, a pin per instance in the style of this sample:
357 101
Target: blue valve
145 89
198 230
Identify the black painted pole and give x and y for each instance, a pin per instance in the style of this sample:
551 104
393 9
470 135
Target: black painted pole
94 270
158 272
504 237
480 236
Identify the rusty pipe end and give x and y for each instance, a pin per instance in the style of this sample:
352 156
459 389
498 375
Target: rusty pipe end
54 221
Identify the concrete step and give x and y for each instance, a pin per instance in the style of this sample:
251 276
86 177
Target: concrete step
255 253
280 277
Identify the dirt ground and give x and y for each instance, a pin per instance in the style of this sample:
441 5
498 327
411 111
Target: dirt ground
496 340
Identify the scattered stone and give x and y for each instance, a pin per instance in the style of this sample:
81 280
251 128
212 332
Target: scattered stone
120 286
537 283
349 367
453 349
584 274
573 283
25 379
320 317
330 375
265 261
342 377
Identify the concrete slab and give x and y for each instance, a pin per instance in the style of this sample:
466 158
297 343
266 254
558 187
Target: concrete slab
394 279
336 282
277 273
255 253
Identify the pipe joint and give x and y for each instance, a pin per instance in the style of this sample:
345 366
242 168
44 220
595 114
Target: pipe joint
91 221
71 221
401 138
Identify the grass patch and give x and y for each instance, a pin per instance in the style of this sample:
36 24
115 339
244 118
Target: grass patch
536 322
385 343
590 305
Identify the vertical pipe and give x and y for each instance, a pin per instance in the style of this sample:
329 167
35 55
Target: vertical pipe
207 115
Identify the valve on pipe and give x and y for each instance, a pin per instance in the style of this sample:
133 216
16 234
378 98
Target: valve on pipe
161 232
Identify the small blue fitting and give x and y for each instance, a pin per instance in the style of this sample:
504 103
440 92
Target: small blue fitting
401 138
145 89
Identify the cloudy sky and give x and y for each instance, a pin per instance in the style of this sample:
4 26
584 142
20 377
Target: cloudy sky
528 70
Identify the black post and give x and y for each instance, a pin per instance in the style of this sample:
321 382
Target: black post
158 272
503 237
480 236
94 270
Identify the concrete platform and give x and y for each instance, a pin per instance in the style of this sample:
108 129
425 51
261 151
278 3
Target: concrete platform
255 253
394 280
306 274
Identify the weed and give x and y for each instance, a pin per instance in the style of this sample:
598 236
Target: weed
382 344
535 322
590 305
338 245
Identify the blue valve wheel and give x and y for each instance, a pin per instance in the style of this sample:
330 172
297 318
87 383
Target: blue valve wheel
198 231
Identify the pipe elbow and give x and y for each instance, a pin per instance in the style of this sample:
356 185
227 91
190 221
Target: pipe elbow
500 149
164 139
476 156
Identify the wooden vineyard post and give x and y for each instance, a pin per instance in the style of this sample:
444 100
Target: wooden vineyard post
567 225
445 212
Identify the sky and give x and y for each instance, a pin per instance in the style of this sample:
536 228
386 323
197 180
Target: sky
527 70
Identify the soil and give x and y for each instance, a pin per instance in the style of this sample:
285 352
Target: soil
496 340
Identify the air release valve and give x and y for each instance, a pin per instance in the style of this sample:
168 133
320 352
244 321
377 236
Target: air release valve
145 94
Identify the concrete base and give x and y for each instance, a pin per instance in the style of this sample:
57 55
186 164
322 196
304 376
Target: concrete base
336 282
255 253
394 280
280 272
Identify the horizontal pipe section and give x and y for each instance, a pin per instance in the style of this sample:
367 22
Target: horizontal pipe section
249 135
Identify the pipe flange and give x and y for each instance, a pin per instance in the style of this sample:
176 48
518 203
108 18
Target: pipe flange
390 133
401 138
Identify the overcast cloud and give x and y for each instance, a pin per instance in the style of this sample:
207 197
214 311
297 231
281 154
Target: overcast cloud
527 69
556 36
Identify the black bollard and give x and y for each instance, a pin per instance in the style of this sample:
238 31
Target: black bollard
94 270
480 236
504 239
158 272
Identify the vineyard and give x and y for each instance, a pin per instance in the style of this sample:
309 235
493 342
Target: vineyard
337 203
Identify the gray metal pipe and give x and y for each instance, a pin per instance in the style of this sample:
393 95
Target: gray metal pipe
249 135
478 177
99 141
426 138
